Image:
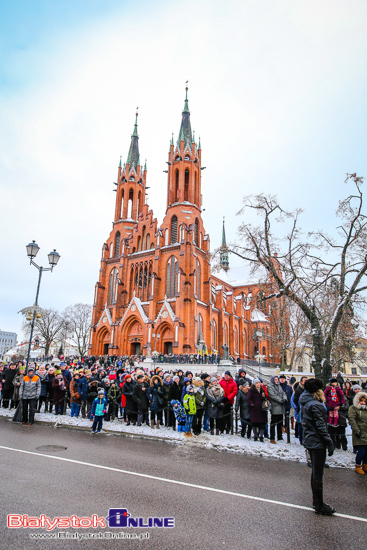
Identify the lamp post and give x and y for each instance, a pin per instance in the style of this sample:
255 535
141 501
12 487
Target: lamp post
53 258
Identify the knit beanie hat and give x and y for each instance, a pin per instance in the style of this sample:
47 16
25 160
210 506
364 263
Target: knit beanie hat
255 381
101 392
166 375
175 378
213 380
204 376
357 387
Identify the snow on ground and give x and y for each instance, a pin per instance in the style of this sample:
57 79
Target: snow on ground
230 443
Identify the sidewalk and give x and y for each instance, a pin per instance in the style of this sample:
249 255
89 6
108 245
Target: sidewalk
224 442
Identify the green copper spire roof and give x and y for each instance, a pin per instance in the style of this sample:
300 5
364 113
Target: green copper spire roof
193 137
172 140
185 134
199 144
120 162
145 165
224 262
133 156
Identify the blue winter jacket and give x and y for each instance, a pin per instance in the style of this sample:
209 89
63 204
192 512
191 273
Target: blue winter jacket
289 392
82 387
98 406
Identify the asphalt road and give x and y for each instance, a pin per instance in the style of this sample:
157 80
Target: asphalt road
204 520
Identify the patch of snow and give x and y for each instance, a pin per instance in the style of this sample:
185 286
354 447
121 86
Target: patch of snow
230 443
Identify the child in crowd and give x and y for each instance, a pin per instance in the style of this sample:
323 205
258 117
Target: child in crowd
99 407
190 408
180 414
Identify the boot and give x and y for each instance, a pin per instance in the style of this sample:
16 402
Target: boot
292 423
261 439
158 424
216 431
337 442
273 441
320 507
360 470
152 424
211 431
364 467
128 423
344 443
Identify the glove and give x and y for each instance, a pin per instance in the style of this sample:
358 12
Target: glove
330 449
357 434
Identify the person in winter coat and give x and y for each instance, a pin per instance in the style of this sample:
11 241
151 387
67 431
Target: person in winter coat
200 400
278 399
17 381
74 395
287 388
50 391
255 398
167 383
141 400
98 410
29 392
41 373
215 406
83 389
180 414
335 401
357 415
175 395
92 393
7 378
59 384
316 439
130 408
190 409
186 383
114 400
230 391
155 398
241 378
244 408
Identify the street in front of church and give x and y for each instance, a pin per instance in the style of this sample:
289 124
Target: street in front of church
214 499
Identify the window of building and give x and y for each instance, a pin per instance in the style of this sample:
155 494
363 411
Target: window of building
200 328
197 285
148 242
130 204
235 339
214 335
174 229
177 187
171 277
354 370
196 231
117 243
186 192
112 290
143 239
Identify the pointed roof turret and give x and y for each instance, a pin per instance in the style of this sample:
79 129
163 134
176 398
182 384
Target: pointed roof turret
224 262
133 158
185 134
120 165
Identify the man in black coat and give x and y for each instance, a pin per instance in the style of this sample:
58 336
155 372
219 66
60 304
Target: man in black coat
140 397
7 378
316 439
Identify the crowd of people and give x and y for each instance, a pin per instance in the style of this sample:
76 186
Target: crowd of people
192 403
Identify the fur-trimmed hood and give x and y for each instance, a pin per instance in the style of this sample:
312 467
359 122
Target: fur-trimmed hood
156 377
357 399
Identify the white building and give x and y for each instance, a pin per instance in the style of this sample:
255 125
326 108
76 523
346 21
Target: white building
8 341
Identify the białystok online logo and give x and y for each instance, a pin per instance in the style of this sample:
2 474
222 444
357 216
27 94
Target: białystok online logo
117 517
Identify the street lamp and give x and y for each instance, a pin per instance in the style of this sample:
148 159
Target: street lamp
53 258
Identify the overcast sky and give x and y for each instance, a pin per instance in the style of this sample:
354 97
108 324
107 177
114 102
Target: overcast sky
277 93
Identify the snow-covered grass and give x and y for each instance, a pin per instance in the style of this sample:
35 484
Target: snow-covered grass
230 443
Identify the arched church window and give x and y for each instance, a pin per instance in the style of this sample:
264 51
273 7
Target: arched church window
112 289
117 243
196 231
139 243
148 242
200 328
130 203
171 277
174 229
235 339
186 191
177 186
143 240
197 289
214 335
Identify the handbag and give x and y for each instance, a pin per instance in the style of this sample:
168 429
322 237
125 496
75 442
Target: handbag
18 415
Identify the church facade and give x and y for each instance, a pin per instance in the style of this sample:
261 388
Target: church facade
156 291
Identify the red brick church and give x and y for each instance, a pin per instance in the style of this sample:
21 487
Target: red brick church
155 289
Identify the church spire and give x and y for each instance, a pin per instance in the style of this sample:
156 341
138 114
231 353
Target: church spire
133 158
224 262
185 133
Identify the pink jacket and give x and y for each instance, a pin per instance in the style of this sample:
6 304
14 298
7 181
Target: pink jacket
331 403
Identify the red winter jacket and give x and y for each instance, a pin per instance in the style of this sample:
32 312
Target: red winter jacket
230 389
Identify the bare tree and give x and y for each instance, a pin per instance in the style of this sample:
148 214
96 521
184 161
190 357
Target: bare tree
48 327
78 319
306 269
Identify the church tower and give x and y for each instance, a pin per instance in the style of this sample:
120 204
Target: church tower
224 262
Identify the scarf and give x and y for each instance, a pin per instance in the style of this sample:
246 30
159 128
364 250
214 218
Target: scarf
216 391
